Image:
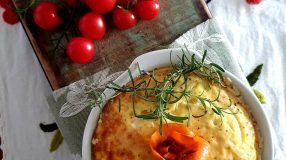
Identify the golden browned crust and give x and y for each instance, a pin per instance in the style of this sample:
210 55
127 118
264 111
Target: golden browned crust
114 140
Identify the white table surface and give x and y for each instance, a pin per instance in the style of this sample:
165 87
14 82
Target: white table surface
257 33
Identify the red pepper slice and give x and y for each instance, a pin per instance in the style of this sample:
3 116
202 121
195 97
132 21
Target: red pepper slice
178 143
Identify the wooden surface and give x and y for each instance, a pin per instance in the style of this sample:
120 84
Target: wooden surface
118 48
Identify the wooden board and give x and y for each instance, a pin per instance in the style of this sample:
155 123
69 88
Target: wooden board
118 48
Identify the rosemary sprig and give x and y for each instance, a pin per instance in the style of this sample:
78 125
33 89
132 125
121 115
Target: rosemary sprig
23 11
173 88
60 40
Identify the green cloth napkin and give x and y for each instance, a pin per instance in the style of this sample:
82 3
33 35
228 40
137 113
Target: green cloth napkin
71 100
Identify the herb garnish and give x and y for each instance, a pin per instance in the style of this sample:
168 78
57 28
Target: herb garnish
23 11
56 141
167 92
253 77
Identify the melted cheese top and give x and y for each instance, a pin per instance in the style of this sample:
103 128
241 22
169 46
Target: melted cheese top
120 135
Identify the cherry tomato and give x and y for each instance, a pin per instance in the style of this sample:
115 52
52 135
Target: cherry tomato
46 16
92 25
10 17
123 3
80 50
101 6
148 9
124 19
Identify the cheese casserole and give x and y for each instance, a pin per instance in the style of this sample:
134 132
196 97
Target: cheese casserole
122 136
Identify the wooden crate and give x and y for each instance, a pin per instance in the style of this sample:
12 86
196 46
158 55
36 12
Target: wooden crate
118 48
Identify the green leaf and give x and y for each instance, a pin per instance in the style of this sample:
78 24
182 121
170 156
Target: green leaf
202 102
148 116
259 95
119 103
204 56
253 77
175 118
161 126
217 66
56 141
215 111
131 77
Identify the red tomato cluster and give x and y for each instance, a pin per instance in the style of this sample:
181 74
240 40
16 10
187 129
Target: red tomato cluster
9 15
92 25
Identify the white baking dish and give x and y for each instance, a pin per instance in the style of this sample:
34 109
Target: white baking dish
161 58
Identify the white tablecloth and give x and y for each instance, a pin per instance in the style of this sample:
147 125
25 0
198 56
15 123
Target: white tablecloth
257 33
23 93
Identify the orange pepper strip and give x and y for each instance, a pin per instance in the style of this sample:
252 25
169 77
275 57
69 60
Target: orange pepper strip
196 143
194 147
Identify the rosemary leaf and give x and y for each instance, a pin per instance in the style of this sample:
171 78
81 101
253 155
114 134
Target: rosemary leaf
217 66
204 56
202 101
148 116
161 126
175 118
215 111
119 103
131 77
